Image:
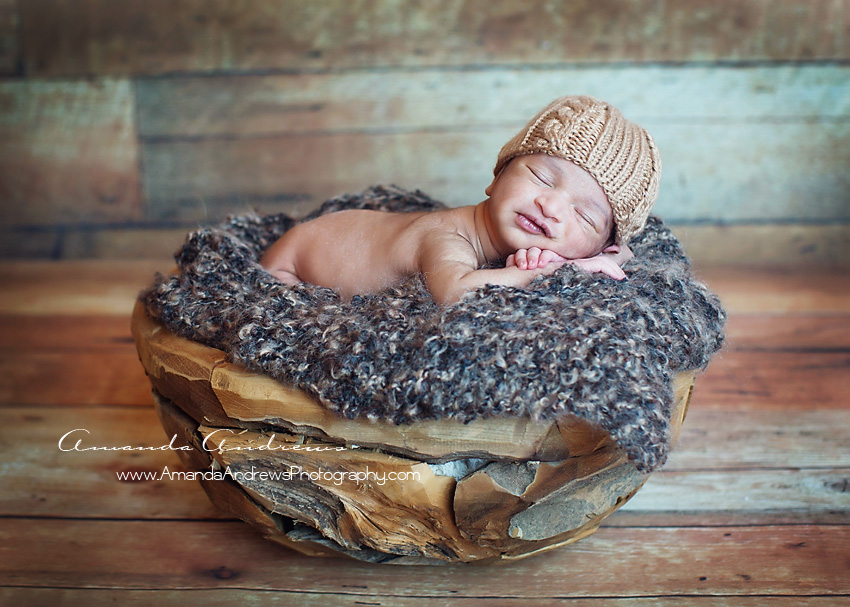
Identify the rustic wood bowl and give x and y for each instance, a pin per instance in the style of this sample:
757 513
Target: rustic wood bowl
431 492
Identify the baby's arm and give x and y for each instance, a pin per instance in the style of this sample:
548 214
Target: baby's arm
450 281
279 259
449 266
607 262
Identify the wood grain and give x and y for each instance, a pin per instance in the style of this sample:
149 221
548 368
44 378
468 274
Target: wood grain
245 396
68 152
130 243
68 334
798 333
225 597
205 179
9 38
753 439
748 495
778 380
750 103
573 474
197 109
792 246
40 480
81 288
815 380
797 560
268 105
802 367
776 291
102 37
213 145
84 378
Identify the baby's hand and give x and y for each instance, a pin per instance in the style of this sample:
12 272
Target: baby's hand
619 254
608 261
533 258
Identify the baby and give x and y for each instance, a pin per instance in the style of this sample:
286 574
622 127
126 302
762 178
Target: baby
572 187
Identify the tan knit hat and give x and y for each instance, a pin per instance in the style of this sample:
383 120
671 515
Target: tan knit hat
620 155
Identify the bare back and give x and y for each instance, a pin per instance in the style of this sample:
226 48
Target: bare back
363 251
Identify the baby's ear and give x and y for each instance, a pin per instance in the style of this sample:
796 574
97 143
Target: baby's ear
489 188
611 242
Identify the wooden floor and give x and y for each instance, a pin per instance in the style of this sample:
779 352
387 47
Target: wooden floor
753 507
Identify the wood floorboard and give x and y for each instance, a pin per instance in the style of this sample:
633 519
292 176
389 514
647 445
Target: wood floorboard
788 333
65 334
822 291
36 597
110 377
74 288
39 479
615 561
775 381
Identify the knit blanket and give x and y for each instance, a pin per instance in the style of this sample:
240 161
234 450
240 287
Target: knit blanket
572 343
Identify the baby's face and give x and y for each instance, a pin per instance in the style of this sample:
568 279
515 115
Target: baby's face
550 203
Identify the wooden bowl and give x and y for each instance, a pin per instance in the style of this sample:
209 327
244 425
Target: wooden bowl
431 492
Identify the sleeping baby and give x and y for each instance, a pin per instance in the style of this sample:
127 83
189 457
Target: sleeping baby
572 187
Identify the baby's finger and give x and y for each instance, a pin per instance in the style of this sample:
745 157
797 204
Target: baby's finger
521 259
547 257
613 270
606 266
603 265
510 261
534 258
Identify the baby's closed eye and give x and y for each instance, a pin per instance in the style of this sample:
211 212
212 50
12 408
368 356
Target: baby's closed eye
586 217
541 177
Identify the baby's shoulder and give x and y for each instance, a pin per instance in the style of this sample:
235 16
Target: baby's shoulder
444 235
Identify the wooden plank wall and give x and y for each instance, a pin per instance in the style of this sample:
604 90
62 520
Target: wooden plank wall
125 124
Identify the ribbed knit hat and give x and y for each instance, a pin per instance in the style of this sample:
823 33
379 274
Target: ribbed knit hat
619 154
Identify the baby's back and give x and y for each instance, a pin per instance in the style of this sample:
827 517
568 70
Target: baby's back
352 252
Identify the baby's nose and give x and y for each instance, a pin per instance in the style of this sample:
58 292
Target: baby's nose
548 205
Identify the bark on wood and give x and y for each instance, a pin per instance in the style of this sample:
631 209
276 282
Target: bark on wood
223 394
432 492
248 397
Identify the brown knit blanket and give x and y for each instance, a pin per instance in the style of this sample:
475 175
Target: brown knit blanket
570 343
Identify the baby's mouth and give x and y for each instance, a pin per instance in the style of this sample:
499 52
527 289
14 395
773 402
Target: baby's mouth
531 225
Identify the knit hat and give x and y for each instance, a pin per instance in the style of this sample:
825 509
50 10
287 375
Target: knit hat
619 154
